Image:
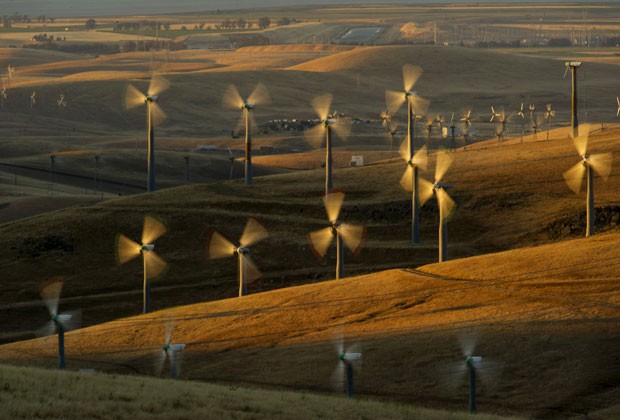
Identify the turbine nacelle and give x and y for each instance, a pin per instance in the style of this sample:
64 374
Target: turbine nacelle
151 98
440 186
248 106
147 247
173 347
473 359
349 357
61 318
243 250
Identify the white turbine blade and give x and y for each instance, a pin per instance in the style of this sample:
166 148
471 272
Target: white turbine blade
48 329
133 97
394 100
467 343
419 104
352 236
50 293
73 320
252 273
420 158
260 96
126 249
342 128
407 179
153 228
316 135
320 241
574 177
160 360
158 85
601 163
322 104
426 191
254 232
232 99
177 359
169 328
489 372
444 161
333 204
446 204
219 247
155 266
581 142
157 114
411 74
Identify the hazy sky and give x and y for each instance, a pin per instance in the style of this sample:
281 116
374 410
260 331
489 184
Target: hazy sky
60 8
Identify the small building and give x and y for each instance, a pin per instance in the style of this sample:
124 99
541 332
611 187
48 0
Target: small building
357 161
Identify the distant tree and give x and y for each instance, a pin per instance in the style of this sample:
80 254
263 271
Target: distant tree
284 21
91 24
264 22
241 23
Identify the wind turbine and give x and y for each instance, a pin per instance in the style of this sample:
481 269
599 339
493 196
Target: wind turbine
430 120
499 132
154 116
153 265
617 100
537 123
33 99
323 130
171 352
550 113
59 323
233 100
3 93
416 105
62 103
600 163
495 115
418 161
445 202
231 158
391 127
220 247
351 235
349 359
467 123
521 112
573 66
452 133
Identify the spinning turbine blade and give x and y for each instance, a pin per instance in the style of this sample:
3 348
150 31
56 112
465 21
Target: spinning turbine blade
446 203
220 247
259 96
158 85
320 241
420 158
251 270
126 249
133 97
426 190
48 329
50 293
394 100
444 161
333 204
353 236
160 360
321 105
232 99
157 113
155 266
254 232
601 163
152 230
574 177
169 328
581 142
404 150
467 342
407 179
411 74
342 128
315 135
419 105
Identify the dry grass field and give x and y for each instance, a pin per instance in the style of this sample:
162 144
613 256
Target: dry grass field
541 300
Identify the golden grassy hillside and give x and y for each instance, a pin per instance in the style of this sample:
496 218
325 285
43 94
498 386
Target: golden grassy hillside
535 314
62 395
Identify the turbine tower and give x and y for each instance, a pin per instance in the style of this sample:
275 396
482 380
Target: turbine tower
154 116
573 66
416 105
328 122
233 100
600 163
